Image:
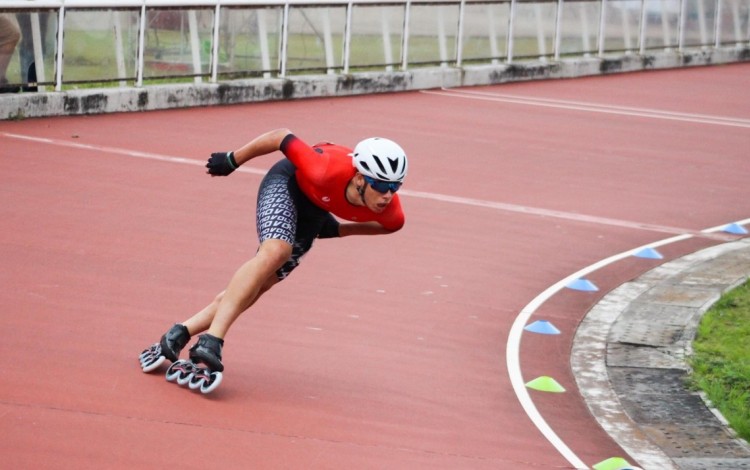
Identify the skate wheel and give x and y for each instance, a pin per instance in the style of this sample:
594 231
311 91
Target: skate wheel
153 351
210 385
184 378
180 371
152 363
173 371
198 378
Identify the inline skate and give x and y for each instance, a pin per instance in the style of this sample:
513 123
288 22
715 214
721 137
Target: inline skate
205 378
169 347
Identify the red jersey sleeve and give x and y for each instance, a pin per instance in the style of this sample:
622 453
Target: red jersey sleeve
311 163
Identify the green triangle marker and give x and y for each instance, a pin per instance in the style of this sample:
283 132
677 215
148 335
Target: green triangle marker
615 463
545 384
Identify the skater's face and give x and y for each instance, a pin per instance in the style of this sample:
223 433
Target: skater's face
372 195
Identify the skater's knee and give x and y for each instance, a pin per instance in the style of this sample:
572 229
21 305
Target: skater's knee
275 252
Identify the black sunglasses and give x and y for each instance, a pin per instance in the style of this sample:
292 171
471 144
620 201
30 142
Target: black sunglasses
382 186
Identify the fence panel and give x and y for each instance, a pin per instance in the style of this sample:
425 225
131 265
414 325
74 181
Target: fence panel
137 42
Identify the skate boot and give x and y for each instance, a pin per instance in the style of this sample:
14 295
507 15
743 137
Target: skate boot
168 347
206 351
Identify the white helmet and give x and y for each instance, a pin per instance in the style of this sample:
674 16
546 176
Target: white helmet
381 159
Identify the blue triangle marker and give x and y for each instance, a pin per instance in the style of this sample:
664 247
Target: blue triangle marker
583 285
736 229
648 253
543 327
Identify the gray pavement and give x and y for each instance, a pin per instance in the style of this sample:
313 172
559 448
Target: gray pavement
629 359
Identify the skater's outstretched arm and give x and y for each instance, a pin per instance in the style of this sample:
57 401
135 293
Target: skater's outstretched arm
261 145
224 163
363 228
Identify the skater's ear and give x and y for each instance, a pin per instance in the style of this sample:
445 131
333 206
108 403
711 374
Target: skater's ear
359 181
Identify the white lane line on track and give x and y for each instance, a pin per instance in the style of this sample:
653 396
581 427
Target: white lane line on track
120 151
591 107
572 216
513 347
501 206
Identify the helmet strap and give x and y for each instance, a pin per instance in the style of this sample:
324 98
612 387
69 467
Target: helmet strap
359 189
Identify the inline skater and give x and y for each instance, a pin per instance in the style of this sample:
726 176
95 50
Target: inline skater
297 201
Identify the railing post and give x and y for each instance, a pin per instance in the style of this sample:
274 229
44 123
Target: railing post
119 52
585 33
60 48
681 25
141 46
665 29
347 37
494 51
702 23
602 27
442 47
642 38
36 34
265 55
558 30
626 30
405 38
541 38
386 32
717 25
328 40
284 40
460 34
215 44
511 21
195 46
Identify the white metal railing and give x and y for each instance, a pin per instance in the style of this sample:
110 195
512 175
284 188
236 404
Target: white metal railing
122 42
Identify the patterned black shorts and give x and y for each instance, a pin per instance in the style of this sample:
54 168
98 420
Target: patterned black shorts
285 213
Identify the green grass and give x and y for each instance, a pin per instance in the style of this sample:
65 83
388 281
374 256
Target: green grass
721 360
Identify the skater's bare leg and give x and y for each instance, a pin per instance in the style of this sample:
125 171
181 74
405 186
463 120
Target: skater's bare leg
248 283
201 321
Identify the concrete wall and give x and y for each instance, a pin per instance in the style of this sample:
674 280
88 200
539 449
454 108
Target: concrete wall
152 97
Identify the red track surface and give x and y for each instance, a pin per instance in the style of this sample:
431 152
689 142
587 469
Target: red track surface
384 352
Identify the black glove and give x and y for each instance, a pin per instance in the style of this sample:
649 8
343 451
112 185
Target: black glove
330 228
221 163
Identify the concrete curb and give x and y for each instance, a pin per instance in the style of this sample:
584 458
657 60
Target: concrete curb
629 362
153 97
